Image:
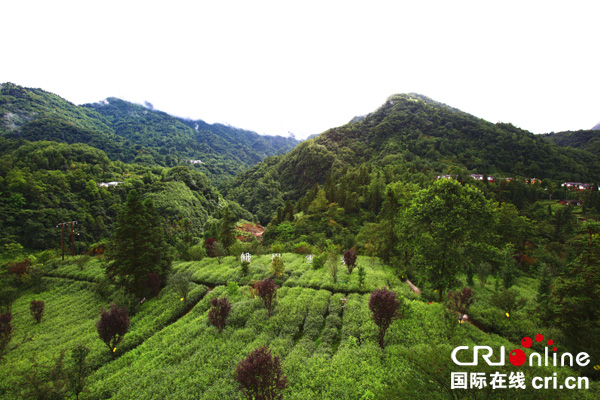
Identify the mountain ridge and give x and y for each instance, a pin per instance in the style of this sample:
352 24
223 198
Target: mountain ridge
133 132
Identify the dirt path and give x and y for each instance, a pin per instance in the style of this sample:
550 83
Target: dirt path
413 287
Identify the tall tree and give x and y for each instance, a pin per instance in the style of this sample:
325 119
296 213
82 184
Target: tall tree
227 229
139 246
452 230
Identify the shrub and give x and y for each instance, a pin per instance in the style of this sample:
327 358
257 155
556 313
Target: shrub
81 260
384 305
245 267
361 275
302 248
36 281
6 331
112 326
260 375
267 291
19 269
197 252
181 282
46 256
8 295
277 267
319 260
219 312
233 288
350 260
36 307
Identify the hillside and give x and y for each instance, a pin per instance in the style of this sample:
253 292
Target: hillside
323 333
584 140
409 132
134 133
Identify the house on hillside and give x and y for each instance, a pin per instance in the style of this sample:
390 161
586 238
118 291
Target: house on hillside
108 184
196 162
577 185
572 202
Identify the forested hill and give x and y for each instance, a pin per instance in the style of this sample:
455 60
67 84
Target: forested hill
133 133
586 139
409 134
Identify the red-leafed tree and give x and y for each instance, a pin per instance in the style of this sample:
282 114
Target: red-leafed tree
350 259
260 376
153 283
36 307
267 291
384 305
112 326
461 301
219 312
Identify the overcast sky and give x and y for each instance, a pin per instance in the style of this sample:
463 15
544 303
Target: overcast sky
303 67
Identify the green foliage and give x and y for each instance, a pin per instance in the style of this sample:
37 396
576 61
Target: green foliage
508 300
453 230
332 263
181 282
36 307
319 260
197 252
245 267
361 275
138 246
78 370
483 271
277 267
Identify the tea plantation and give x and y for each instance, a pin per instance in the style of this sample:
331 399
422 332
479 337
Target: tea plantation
322 331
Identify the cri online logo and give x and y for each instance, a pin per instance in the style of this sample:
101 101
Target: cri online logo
517 357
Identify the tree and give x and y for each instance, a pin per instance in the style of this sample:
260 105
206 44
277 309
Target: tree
452 230
332 262
181 282
153 283
361 275
6 331
483 271
219 312
112 326
277 267
461 301
227 229
267 291
79 369
574 303
350 260
260 376
139 246
384 305
36 307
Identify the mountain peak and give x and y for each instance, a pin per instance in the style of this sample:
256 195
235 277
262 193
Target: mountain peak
597 127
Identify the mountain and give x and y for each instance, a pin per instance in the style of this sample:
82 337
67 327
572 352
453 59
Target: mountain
134 133
409 134
597 127
584 139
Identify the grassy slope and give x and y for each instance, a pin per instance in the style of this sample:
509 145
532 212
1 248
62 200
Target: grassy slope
328 352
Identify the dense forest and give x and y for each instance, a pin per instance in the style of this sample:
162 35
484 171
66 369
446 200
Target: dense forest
134 133
387 242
